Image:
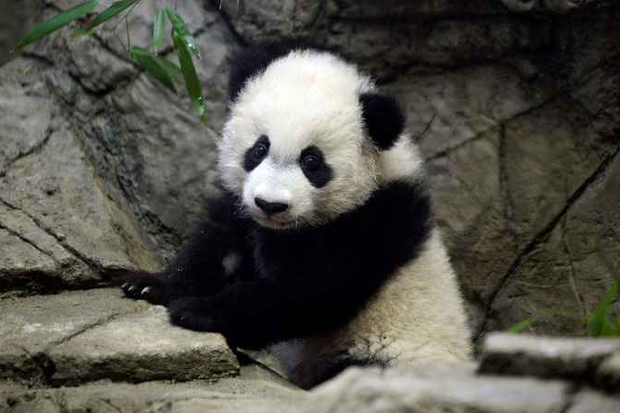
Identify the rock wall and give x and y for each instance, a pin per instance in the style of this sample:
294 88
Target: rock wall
515 105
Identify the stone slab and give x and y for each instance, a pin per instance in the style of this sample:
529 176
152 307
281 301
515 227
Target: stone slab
526 355
374 390
83 336
31 326
587 401
608 374
230 395
140 347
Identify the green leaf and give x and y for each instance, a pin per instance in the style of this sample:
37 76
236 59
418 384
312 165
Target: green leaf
159 68
192 83
173 70
610 328
521 326
57 22
107 14
182 30
159 27
597 324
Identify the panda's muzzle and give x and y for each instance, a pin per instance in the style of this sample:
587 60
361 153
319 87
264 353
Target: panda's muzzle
270 208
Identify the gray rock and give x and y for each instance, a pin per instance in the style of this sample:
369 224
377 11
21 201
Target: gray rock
526 355
574 258
556 6
227 396
86 336
141 347
447 110
520 5
32 326
16 19
587 401
63 201
24 123
608 373
24 264
373 390
599 94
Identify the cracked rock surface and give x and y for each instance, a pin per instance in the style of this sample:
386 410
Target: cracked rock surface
83 336
518 373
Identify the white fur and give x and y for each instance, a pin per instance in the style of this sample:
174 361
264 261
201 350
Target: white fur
231 262
305 98
311 98
401 161
415 318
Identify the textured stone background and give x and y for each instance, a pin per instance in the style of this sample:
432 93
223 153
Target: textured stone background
515 105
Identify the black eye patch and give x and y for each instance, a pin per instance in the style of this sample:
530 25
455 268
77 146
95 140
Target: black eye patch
255 155
313 165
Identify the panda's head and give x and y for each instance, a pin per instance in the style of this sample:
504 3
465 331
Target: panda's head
303 140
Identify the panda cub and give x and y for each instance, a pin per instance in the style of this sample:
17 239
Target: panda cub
322 242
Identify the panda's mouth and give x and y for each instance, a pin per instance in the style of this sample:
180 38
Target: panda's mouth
274 223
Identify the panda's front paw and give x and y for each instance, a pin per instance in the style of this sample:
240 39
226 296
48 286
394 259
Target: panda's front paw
195 314
143 286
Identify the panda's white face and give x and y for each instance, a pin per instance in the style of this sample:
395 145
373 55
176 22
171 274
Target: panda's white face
294 148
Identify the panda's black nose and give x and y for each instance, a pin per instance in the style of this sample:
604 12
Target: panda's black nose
270 208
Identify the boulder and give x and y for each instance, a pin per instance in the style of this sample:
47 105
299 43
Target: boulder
77 337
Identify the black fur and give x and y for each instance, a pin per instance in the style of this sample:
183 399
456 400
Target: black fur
291 283
383 119
253 59
252 158
321 173
197 270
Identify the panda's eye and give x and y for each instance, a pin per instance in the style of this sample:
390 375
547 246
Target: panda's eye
255 155
311 162
314 166
260 151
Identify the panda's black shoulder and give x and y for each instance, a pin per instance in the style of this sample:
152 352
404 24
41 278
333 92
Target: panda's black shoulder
253 59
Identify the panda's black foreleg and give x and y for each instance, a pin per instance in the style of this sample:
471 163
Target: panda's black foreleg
255 314
198 268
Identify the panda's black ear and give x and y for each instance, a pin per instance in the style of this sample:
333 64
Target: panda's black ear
383 118
255 58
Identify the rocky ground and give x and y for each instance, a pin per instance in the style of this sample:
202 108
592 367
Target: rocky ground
94 351
515 106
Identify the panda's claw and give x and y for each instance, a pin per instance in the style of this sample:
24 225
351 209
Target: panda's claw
147 292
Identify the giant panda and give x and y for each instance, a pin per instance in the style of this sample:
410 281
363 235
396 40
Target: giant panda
322 243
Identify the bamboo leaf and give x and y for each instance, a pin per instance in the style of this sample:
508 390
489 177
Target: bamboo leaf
173 70
188 70
597 325
107 14
155 66
610 328
521 326
57 22
181 29
159 27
